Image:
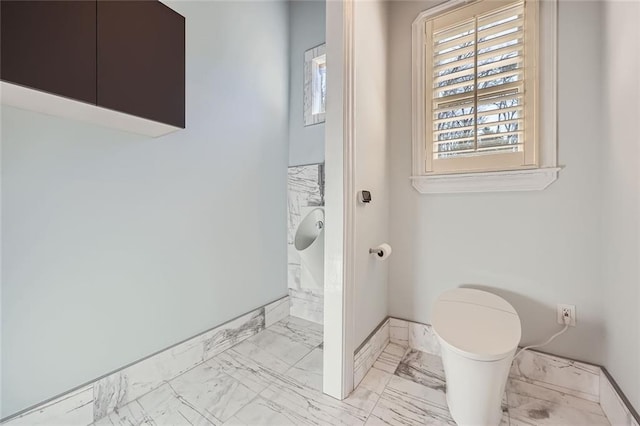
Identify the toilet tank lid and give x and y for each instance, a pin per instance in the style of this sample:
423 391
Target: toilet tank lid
476 324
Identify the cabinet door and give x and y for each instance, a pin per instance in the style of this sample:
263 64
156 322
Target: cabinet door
50 46
141 60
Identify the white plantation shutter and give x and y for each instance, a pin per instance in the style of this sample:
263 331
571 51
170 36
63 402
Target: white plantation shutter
481 87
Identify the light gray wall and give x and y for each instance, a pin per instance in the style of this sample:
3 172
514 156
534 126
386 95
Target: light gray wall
621 194
535 249
307 30
115 245
372 164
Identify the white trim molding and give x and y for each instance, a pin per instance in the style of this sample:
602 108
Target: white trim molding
312 85
339 249
510 180
349 185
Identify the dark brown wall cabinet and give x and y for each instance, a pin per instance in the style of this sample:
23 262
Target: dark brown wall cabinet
127 56
51 46
141 60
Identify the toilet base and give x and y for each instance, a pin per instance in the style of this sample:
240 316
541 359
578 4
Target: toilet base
475 388
459 418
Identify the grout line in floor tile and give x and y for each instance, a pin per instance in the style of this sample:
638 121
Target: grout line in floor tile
379 396
288 377
375 405
294 339
189 404
245 405
239 383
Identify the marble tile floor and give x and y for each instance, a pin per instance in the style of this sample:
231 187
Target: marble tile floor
275 378
523 404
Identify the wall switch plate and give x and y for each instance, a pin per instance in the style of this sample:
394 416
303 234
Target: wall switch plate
364 196
566 311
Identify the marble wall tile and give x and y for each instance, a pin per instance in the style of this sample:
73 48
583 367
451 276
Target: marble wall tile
612 405
303 189
124 386
233 332
363 353
370 351
380 340
423 338
73 408
359 374
359 371
399 332
307 305
294 268
560 374
305 186
275 311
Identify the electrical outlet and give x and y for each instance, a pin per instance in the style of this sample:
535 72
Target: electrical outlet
566 311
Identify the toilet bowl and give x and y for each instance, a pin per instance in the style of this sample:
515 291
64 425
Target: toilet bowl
309 242
479 333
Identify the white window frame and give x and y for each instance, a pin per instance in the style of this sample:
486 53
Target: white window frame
313 112
525 179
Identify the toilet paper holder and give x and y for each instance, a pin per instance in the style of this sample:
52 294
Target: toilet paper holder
377 251
383 251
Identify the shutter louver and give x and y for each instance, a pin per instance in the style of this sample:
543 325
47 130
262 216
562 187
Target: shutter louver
478 84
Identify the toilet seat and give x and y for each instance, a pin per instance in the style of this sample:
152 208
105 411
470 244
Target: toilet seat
476 324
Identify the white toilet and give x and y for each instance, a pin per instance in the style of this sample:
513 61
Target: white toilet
479 333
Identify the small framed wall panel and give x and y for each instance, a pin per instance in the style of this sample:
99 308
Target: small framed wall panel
315 85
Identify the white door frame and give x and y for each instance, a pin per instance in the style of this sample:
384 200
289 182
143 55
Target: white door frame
340 201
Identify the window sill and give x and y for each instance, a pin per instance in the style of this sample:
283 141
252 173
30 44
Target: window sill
512 180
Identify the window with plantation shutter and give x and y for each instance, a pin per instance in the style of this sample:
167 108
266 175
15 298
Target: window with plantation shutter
482 95
476 88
